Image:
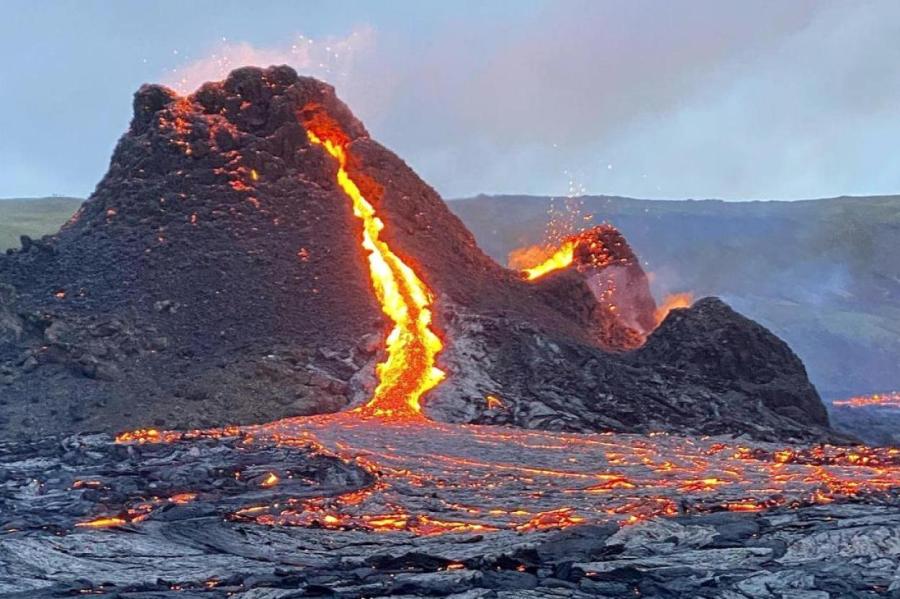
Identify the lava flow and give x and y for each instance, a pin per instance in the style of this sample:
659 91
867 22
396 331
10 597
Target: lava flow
878 400
597 248
593 247
559 258
412 346
435 478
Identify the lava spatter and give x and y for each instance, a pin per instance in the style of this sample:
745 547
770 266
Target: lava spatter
625 312
596 247
412 345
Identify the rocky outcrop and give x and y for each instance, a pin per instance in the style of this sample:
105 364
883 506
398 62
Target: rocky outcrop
216 276
705 370
712 343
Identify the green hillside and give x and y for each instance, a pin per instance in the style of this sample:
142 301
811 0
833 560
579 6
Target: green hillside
33 217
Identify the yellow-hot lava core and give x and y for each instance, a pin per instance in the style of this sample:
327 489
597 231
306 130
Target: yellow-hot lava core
561 258
412 346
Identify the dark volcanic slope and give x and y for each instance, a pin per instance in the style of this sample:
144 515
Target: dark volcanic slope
705 370
177 280
216 276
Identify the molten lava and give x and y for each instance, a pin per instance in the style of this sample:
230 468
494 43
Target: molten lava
881 400
433 478
672 301
596 247
412 346
559 258
584 249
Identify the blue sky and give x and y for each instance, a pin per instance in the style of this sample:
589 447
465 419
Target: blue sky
647 98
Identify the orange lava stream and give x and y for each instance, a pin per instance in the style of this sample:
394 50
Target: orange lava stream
560 258
104 522
412 346
884 400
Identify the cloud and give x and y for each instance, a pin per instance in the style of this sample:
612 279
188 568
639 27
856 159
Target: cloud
810 115
328 58
642 98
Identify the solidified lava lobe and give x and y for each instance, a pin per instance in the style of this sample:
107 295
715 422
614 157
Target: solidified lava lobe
412 345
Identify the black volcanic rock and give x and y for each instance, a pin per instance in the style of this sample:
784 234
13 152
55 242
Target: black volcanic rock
705 370
179 295
711 341
216 276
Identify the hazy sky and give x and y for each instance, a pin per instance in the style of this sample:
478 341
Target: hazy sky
780 99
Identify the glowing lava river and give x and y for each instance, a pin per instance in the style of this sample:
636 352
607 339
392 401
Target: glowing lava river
409 371
432 478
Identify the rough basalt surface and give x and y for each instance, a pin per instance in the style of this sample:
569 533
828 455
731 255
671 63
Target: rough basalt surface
839 551
196 548
215 276
705 370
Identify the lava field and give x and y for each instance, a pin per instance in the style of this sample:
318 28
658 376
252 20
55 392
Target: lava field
433 478
347 505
